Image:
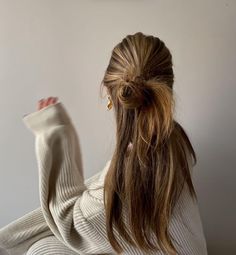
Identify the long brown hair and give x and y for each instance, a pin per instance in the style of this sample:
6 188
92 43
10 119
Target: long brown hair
147 179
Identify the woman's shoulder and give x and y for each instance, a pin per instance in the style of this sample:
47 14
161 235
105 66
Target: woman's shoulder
97 181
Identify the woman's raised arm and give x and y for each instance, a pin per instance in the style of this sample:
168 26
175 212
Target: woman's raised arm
65 200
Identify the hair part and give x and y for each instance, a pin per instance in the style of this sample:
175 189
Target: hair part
144 182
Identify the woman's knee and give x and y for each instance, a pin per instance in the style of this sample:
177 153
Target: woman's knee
49 246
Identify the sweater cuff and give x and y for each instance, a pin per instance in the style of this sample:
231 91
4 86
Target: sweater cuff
51 115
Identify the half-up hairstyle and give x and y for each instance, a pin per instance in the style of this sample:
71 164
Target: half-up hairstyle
150 165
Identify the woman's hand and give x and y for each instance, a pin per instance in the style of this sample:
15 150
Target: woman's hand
45 102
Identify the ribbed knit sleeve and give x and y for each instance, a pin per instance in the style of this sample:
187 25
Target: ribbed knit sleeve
66 203
19 235
65 200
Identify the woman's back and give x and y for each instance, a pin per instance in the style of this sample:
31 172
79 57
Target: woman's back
185 224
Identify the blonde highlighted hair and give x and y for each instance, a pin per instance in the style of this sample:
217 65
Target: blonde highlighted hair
147 179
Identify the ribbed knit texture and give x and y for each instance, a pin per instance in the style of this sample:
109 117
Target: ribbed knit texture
71 216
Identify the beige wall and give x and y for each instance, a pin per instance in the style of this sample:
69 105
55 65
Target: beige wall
62 47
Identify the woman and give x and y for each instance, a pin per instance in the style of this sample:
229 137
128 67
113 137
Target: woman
143 201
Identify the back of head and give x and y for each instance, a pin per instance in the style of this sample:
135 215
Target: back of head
148 178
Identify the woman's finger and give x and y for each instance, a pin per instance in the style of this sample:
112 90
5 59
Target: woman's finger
40 104
51 100
45 102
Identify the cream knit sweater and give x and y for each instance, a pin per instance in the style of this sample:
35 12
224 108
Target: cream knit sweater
71 209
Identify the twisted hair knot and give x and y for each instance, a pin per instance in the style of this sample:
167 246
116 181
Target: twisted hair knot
134 93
